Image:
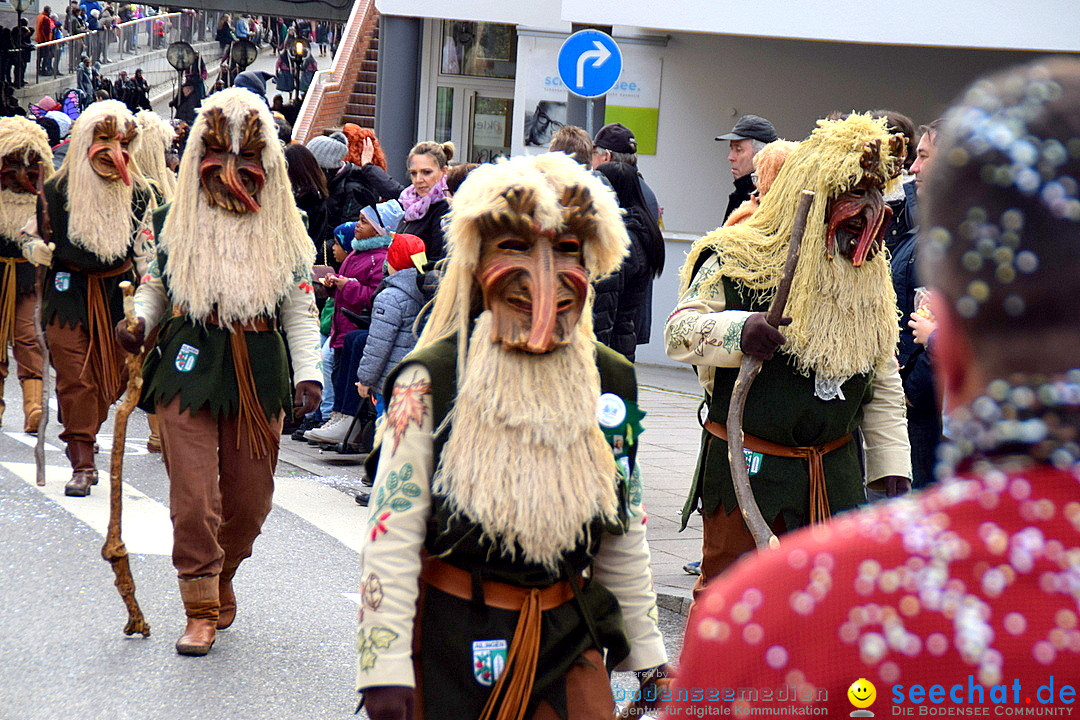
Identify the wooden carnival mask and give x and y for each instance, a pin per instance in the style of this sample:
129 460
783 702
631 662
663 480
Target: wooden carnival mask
858 218
21 172
108 153
232 180
532 280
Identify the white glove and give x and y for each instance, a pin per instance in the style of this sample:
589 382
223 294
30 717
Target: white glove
38 251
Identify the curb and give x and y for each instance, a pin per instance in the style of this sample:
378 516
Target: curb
675 603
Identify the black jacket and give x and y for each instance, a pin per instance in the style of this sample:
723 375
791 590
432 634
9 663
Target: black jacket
353 188
429 229
621 297
744 188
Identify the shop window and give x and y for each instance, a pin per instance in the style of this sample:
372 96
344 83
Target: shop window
478 49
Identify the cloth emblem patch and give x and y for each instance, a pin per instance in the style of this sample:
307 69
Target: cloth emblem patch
489 659
753 462
62 281
185 359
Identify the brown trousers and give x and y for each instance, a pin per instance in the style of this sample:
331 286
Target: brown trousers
219 496
81 408
725 539
27 351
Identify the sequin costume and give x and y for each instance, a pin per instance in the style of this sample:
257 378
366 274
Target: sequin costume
972 583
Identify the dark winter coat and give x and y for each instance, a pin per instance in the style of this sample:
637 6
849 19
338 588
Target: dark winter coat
353 188
390 337
744 188
429 228
315 206
620 297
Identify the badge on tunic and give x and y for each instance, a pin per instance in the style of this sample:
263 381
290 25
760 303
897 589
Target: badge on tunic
62 281
489 659
610 411
185 359
753 462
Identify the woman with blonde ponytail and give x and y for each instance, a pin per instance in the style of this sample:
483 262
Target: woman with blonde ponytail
425 200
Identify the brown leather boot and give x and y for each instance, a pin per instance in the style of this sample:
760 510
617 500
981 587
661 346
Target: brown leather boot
81 456
31 405
153 443
227 608
200 598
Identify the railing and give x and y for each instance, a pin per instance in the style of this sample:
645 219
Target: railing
344 70
98 42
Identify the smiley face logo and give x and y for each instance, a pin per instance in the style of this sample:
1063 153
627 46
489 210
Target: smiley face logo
862 693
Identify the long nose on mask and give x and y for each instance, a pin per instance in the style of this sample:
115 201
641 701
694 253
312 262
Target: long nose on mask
542 288
22 180
120 159
230 176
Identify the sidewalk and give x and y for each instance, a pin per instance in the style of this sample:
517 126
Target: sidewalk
667 456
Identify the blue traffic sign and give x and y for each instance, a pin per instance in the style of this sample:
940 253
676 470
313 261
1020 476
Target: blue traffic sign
589 63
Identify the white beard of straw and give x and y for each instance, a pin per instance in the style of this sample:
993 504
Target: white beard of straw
526 458
100 217
15 210
241 265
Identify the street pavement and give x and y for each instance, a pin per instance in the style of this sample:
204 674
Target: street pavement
291 652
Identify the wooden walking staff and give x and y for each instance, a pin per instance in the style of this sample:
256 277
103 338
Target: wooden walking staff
748 370
114 550
44 227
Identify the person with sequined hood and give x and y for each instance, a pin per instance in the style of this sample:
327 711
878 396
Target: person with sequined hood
96 205
474 602
229 287
962 597
829 372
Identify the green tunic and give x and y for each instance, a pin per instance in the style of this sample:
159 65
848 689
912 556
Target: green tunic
65 281
781 407
24 271
448 626
195 361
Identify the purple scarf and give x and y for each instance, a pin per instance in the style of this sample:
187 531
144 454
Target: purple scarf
415 206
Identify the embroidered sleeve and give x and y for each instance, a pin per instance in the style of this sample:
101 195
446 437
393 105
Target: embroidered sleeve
300 322
884 426
398 512
151 300
623 566
701 332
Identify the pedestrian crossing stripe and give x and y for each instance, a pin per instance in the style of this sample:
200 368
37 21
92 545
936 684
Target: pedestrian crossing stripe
147 527
146 524
132 446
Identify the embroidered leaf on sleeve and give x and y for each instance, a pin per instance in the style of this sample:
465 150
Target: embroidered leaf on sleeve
376 639
372 591
732 339
679 331
407 407
392 496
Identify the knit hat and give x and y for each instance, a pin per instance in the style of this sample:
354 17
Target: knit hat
406 251
328 152
384 216
343 234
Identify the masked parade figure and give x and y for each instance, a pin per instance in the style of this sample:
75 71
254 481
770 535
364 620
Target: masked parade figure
497 488
26 160
833 371
95 204
229 283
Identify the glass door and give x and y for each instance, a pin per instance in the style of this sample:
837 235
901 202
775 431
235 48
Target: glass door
490 121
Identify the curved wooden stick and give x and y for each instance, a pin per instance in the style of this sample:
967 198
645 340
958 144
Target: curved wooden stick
114 550
45 231
748 370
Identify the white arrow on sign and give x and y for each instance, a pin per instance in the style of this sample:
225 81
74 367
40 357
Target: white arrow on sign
599 56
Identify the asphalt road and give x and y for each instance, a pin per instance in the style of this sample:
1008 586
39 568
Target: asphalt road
290 653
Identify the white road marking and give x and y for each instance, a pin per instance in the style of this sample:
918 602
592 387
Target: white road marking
147 529
133 446
355 597
328 509
30 440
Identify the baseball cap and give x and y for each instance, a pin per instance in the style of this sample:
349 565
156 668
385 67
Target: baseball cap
751 127
615 137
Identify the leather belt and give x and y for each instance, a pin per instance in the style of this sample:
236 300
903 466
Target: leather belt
459 583
819 499
258 324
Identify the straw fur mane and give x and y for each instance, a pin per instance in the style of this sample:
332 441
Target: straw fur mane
100 212
242 266
20 136
523 433
845 319
563 194
157 137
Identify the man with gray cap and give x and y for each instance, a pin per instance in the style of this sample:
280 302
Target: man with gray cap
750 134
